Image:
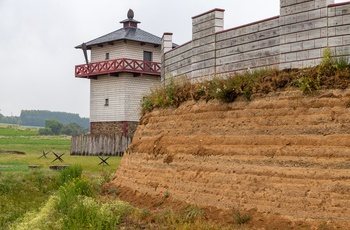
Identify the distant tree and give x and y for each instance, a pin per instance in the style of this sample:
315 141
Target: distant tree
72 129
45 131
54 125
9 120
38 118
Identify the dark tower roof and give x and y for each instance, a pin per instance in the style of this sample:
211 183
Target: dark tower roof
128 32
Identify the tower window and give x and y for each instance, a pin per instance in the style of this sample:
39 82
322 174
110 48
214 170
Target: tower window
106 102
107 56
147 56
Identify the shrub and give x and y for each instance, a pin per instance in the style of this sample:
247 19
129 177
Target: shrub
194 212
67 174
239 218
307 85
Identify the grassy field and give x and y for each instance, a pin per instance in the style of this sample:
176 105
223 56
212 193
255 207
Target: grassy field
24 139
25 192
78 197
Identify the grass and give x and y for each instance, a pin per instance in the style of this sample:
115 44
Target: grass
332 73
25 192
79 197
14 138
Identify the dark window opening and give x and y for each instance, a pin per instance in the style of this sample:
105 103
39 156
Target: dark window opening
107 56
147 56
106 102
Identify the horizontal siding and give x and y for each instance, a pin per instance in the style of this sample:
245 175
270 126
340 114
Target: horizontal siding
124 93
120 49
137 88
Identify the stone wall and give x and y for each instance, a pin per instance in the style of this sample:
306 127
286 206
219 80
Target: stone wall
126 128
295 39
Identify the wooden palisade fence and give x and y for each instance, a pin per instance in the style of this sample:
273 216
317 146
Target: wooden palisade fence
94 145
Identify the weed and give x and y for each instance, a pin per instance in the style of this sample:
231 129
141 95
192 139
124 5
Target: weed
23 192
194 212
239 218
166 194
307 85
144 213
69 173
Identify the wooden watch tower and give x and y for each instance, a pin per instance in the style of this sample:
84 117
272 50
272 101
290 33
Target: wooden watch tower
124 65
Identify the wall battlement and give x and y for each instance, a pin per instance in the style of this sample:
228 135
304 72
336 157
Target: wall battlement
294 39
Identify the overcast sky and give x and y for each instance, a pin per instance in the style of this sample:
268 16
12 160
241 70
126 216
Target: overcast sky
37 40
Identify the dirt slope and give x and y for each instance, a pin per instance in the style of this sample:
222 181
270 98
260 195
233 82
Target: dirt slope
280 154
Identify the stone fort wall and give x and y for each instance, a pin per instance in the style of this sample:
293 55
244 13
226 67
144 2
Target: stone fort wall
294 39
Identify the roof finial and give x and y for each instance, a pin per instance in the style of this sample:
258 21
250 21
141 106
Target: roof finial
130 14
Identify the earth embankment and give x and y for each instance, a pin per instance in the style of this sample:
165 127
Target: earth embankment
282 154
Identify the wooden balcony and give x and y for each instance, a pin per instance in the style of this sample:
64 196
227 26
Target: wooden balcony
113 67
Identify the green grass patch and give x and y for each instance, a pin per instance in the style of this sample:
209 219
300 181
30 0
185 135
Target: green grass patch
12 130
13 166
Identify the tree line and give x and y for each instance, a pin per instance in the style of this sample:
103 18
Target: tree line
66 123
54 127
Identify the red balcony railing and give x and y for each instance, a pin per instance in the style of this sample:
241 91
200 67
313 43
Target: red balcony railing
116 66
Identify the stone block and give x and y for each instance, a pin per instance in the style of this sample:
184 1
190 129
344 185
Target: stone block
346 40
302 36
346 19
320 43
307 6
302 17
314 14
291 57
324 32
203 41
285 3
340 10
343 50
334 21
208 25
289 19
269 24
320 4
308 45
303 55
342 30
291 38
285 65
206 72
308 63
315 53
203 64
196 20
322 22
324 12
335 41
298 64
285 48
331 31
203 49
316 33
203 34
331 11
247 29
203 57
221 36
296 46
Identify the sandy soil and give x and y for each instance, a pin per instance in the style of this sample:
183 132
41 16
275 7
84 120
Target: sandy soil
284 158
